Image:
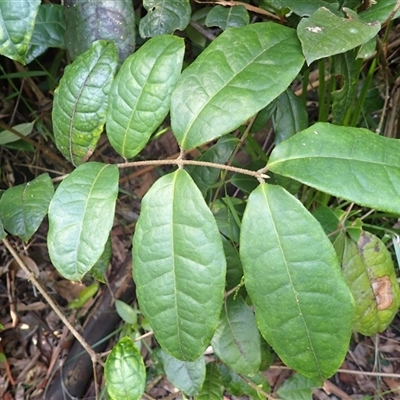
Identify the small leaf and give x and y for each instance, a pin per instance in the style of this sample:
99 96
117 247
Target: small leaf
80 101
140 95
236 76
126 312
81 215
236 340
124 372
303 307
24 129
380 11
164 16
351 163
205 177
187 376
304 8
3 233
290 116
369 271
89 21
234 270
17 21
212 388
23 207
178 254
49 31
298 387
320 32
84 296
228 17
98 271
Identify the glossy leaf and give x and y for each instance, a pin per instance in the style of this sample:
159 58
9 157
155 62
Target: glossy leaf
351 163
164 16
298 387
140 95
369 271
81 215
187 376
124 372
80 101
320 32
23 207
380 11
178 254
227 84
48 32
345 65
212 388
290 116
227 17
17 21
24 129
205 177
236 340
303 307
109 20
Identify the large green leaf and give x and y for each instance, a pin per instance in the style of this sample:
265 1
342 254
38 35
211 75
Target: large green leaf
352 163
80 101
227 17
164 16
49 30
179 266
187 376
17 21
140 95
380 11
303 307
298 387
369 272
124 372
212 388
23 207
237 75
325 34
88 21
303 8
81 215
236 340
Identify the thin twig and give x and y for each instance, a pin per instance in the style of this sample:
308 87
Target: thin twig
51 302
179 162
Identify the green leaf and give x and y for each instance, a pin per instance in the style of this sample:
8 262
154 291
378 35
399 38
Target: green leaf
298 387
178 254
3 233
351 163
24 129
109 20
236 340
84 296
124 372
126 312
345 65
205 177
98 271
380 11
290 116
228 17
140 95
212 388
187 376
49 30
303 8
236 76
164 16
81 215
80 101
319 34
234 270
23 207
17 21
369 271
303 307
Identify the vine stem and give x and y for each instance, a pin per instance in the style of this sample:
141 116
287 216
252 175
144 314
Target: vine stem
180 162
54 306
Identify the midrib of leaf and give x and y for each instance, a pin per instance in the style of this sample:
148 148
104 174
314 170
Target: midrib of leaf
194 119
295 293
84 212
173 262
